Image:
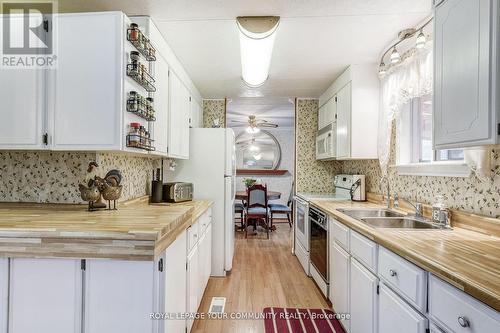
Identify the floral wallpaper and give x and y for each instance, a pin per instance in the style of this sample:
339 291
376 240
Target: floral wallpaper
311 175
467 194
53 177
214 109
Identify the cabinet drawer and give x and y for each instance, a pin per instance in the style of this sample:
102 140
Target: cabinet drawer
205 220
365 250
404 277
193 233
456 311
340 233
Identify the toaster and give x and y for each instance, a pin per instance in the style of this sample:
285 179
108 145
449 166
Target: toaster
177 192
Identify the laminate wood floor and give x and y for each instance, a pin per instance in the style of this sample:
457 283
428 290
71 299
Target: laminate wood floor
265 273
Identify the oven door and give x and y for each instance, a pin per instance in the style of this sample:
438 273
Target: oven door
318 251
301 223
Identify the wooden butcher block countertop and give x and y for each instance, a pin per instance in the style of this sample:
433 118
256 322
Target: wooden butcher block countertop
469 260
136 231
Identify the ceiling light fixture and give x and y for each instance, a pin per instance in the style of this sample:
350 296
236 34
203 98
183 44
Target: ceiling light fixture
257 34
420 43
252 130
395 56
381 69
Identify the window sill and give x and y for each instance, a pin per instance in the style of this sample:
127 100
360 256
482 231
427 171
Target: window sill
434 169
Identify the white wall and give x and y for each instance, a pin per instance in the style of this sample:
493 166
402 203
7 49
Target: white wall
285 137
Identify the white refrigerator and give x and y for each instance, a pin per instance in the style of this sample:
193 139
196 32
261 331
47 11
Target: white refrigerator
212 170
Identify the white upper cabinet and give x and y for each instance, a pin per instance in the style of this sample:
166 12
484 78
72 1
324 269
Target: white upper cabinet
196 118
86 88
23 109
178 142
161 105
351 104
466 80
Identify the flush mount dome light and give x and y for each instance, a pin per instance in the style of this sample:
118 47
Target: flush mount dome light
257 35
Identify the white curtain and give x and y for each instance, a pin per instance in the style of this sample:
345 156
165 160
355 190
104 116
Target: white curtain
411 78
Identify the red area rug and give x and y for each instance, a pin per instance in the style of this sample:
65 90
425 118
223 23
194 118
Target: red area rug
291 320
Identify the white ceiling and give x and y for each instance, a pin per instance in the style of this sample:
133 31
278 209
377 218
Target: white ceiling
315 42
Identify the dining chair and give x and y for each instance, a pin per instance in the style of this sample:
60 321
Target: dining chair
239 209
257 208
277 208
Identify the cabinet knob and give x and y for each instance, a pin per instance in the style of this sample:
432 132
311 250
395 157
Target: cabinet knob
462 321
393 272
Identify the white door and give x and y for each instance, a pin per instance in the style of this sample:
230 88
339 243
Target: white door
339 281
344 122
45 296
192 284
85 92
396 316
173 285
161 104
179 118
118 296
462 73
202 259
4 293
363 299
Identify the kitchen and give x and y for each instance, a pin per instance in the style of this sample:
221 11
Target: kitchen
131 152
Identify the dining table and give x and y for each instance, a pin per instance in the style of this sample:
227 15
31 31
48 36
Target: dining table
271 195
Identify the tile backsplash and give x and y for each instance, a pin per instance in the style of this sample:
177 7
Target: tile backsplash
54 176
214 109
311 175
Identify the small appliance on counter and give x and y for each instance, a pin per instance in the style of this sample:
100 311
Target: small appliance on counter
177 192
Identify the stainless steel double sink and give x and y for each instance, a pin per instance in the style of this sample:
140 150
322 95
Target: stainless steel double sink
385 218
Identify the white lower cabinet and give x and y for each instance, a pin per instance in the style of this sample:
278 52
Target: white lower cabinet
45 296
192 284
118 296
396 316
339 281
364 299
173 285
4 293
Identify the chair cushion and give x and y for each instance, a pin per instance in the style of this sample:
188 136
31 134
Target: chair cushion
257 210
279 207
238 207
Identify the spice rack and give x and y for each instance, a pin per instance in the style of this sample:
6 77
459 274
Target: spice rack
141 42
141 76
140 106
140 142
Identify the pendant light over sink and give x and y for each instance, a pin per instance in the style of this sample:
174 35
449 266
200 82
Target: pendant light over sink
257 34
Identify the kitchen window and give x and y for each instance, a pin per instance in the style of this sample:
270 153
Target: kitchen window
414 153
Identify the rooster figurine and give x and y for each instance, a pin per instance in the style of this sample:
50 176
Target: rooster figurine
90 193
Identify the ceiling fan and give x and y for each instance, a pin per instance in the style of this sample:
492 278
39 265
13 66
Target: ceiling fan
254 124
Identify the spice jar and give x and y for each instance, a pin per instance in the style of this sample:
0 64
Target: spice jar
134 57
150 107
134 135
133 32
132 103
142 132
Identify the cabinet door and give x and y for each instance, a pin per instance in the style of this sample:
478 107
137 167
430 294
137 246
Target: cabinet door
179 118
161 104
4 293
396 316
192 284
331 110
173 285
196 116
462 74
202 259
363 299
118 296
45 296
85 91
208 250
339 277
321 116
344 122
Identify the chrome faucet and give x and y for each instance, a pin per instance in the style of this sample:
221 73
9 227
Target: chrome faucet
419 208
386 179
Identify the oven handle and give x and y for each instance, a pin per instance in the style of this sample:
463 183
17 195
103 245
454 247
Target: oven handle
320 225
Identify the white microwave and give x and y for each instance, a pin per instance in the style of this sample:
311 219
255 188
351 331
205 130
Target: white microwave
326 143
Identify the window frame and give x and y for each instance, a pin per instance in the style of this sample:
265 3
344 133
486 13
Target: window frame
408 136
